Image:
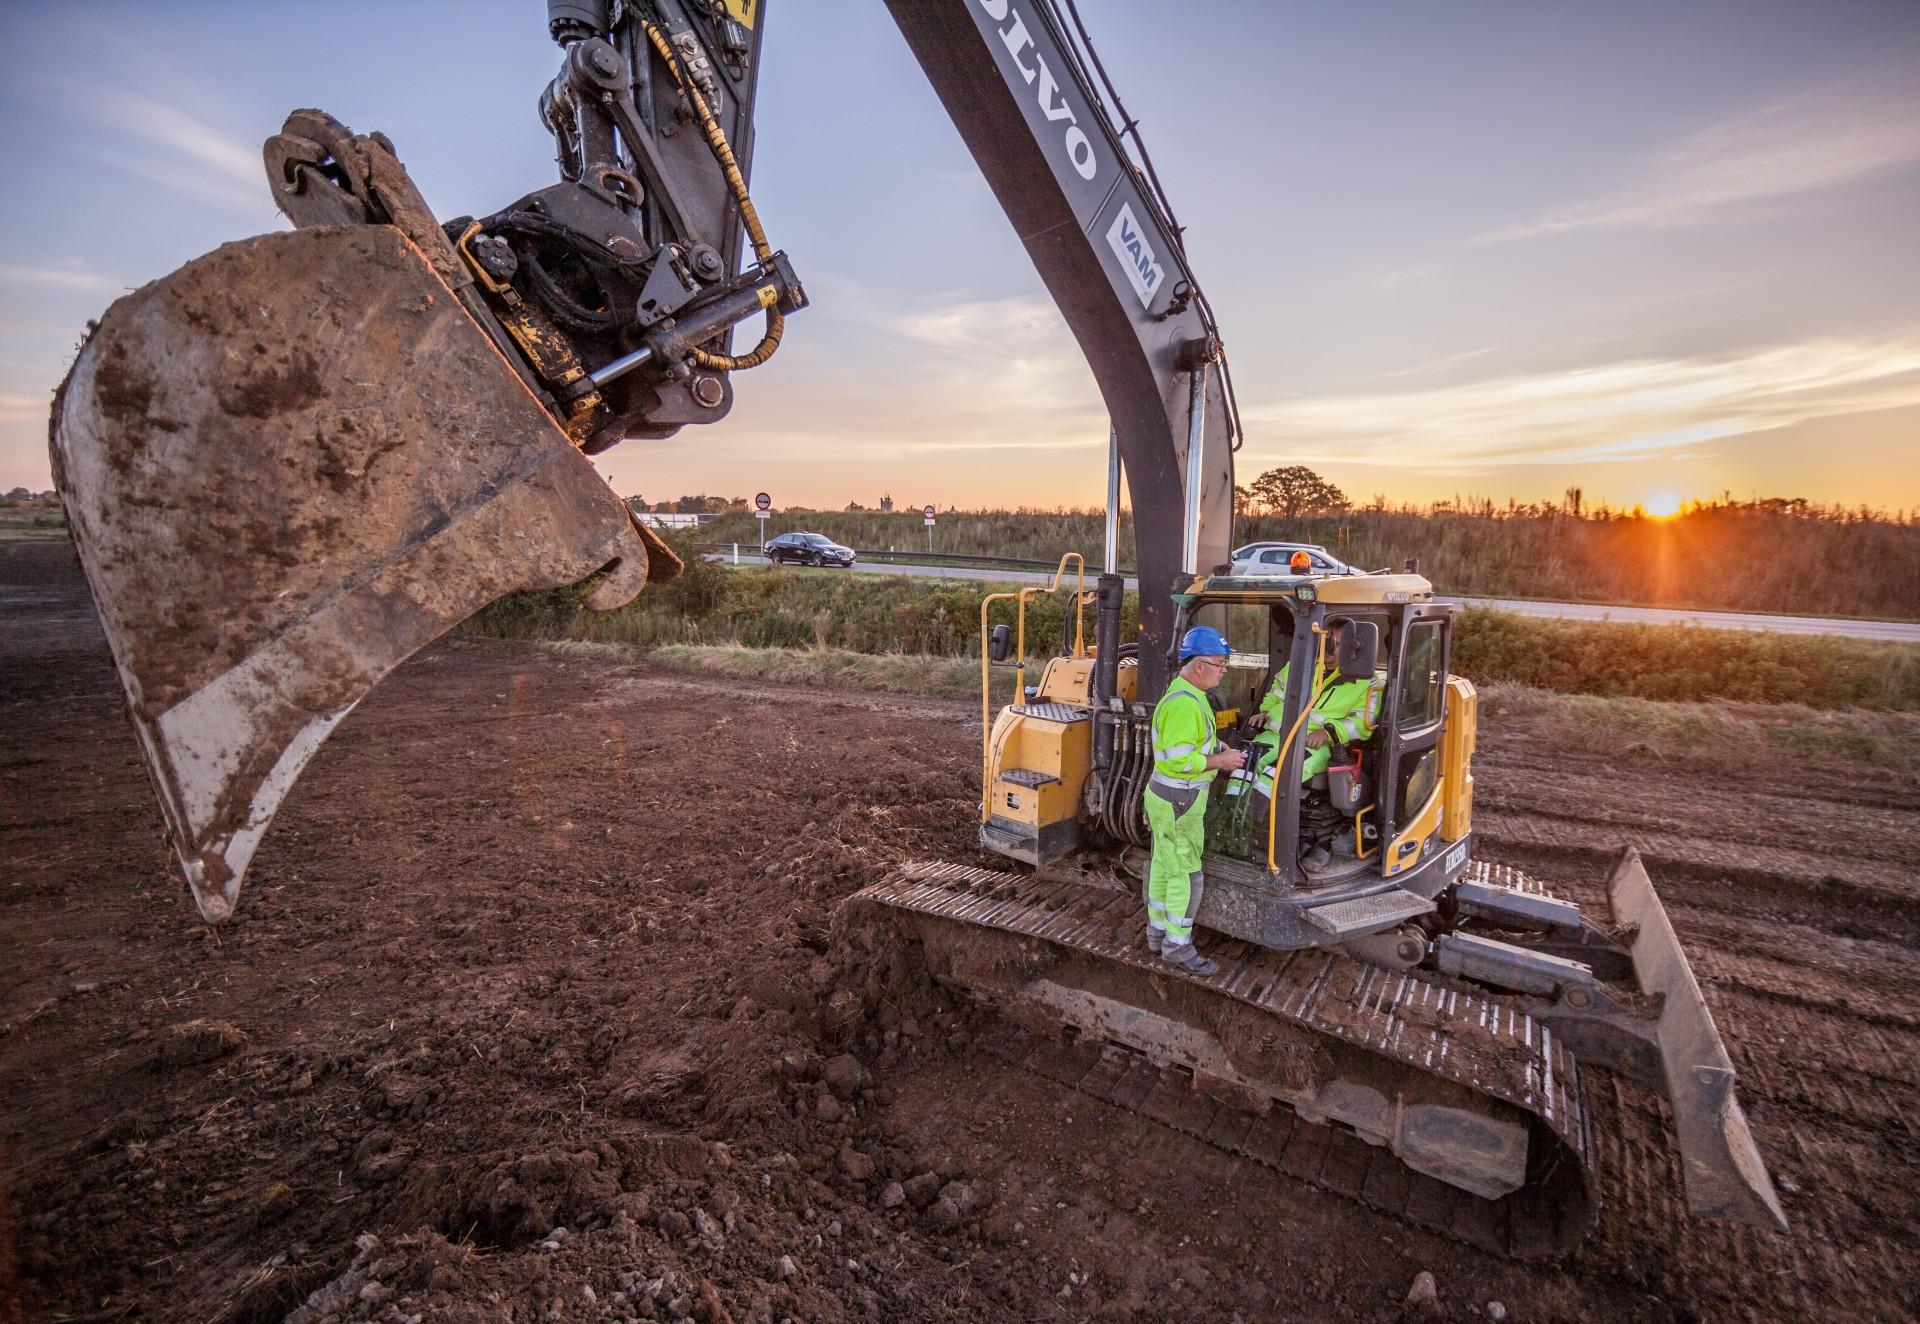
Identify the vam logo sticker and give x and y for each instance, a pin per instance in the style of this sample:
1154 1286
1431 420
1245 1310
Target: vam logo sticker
1129 243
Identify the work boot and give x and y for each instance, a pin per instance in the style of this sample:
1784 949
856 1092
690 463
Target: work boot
1186 958
1156 938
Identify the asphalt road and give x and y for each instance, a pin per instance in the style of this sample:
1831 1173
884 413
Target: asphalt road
1905 632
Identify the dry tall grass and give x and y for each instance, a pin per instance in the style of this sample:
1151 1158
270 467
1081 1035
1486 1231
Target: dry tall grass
1734 556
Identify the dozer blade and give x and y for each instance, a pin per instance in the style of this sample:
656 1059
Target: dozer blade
1725 1175
287 466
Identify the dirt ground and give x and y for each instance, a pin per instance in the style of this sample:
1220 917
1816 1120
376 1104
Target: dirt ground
529 1015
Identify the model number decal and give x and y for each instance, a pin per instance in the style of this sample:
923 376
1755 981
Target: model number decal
1455 858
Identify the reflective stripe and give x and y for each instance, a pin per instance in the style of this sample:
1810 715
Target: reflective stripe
1184 762
1181 783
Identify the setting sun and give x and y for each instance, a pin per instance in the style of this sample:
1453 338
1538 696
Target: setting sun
1663 505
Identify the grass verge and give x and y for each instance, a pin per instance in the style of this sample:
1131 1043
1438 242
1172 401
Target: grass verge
1742 738
1674 662
892 673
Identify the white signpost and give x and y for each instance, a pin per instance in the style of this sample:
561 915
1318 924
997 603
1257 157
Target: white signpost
762 505
926 513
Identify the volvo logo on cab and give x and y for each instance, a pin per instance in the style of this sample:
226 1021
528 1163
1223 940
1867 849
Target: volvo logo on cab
1046 88
1129 243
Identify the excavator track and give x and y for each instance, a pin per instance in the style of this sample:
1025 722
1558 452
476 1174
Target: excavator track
1438 1035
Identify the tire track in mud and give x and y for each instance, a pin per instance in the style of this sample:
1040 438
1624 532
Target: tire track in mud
1770 886
1799 913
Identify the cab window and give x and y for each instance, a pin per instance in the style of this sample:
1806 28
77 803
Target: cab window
1423 679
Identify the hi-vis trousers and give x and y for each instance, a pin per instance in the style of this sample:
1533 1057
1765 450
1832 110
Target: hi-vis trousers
1175 882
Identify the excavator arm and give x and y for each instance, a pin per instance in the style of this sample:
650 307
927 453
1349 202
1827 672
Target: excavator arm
298 459
1020 81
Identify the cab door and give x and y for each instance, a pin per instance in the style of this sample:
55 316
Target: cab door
1415 712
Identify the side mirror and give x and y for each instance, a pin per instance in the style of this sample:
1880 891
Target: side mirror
1000 643
1359 650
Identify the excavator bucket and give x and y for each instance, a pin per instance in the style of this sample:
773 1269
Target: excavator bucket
287 466
1725 1175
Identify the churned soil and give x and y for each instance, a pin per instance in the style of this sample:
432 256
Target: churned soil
532 1012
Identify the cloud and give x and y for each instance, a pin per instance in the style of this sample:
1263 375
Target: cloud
192 155
1434 365
71 274
14 408
1391 282
1804 144
975 364
1630 410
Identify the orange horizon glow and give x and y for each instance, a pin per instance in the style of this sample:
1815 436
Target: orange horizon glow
1664 505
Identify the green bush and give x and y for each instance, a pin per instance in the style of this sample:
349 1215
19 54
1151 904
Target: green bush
792 608
1669 662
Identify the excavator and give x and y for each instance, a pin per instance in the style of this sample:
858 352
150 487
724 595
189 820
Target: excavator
297 460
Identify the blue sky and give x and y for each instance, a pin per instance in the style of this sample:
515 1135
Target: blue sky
1497 249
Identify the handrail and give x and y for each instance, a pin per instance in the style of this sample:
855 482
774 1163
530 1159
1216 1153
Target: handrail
986 724
1021 597
1286 746
1079 597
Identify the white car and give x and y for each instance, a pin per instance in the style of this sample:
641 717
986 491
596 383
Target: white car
1276 558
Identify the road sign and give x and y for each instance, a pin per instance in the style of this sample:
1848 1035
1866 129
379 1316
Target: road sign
762 501
926 513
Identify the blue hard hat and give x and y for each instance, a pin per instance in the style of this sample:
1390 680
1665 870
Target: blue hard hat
1202 641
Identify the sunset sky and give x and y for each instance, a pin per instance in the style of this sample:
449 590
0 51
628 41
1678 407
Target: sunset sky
1651 249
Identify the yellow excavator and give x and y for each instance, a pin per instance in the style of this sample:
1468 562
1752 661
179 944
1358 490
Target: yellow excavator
297 460
1391 1017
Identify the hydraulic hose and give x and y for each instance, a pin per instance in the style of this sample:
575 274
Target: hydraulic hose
762 250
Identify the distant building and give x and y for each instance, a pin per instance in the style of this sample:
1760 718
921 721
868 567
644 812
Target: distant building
886 504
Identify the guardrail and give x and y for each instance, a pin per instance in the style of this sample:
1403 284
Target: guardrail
916 558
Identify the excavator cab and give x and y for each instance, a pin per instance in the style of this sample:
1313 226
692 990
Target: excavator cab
1358 740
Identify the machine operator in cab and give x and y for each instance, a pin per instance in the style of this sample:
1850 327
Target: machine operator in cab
1186 754
1344 712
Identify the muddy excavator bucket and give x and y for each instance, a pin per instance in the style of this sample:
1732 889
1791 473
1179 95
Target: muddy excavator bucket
287 466
1725 1175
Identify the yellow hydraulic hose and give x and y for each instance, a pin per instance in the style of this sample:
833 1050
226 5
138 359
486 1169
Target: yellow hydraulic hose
1281 761
763 251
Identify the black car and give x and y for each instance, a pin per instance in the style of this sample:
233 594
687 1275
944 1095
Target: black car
807 549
